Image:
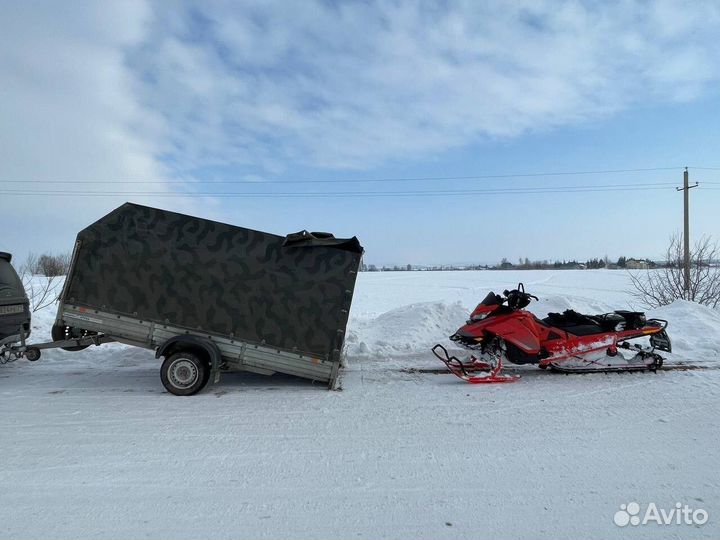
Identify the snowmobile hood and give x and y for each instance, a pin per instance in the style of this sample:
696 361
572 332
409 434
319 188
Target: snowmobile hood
516 333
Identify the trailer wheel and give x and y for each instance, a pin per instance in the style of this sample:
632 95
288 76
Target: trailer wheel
61 332
32 354
184 373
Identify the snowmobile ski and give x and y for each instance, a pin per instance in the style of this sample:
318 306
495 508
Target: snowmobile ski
474 371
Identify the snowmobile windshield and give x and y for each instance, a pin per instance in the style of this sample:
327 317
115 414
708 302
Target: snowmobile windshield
490 300
10 284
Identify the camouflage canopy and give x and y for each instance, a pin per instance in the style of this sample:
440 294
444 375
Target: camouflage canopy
293 292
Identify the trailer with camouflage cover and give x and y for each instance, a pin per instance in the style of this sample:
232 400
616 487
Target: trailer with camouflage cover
208 296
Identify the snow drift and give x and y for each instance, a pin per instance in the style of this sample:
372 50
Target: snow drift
95 448
412 329
405 330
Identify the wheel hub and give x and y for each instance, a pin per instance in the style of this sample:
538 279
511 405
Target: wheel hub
183 373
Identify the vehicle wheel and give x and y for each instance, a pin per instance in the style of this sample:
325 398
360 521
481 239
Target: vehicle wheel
184 374
32 354
62 332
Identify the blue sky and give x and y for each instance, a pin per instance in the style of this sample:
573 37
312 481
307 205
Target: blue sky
166 98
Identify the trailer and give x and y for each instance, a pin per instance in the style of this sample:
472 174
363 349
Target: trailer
207 297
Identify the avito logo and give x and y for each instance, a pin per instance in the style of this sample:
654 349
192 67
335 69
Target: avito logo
680 514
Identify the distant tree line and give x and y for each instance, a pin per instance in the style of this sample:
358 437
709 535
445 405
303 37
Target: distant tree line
594 263
629 263
420 268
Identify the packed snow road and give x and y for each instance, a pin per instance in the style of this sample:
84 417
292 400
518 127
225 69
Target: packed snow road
92 445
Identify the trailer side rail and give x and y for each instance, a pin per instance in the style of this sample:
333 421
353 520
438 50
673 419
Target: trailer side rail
237 354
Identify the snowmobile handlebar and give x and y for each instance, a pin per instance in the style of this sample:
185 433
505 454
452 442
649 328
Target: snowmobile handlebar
518 298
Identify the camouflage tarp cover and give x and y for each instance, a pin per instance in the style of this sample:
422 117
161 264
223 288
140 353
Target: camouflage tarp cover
292 292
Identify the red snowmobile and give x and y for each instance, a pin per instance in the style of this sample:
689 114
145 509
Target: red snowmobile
500 329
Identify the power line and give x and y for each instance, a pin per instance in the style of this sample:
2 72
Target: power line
350 180
500 191
492 189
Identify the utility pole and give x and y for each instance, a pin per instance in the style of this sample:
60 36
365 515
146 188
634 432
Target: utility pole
686 235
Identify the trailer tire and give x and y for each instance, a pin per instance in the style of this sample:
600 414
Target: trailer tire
184 373
32 354
61 332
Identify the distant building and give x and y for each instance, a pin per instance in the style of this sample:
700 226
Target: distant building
634 264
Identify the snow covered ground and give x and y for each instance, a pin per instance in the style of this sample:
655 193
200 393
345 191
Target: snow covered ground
92 446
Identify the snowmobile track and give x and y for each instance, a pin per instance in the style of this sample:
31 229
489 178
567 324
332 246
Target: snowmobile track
665 367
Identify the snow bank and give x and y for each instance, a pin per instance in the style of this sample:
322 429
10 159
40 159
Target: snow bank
405 330
412 329
693 329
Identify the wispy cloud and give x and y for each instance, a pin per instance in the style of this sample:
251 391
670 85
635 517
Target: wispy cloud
265 84
142 89
68 109
70 112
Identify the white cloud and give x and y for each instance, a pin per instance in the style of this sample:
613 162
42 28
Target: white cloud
69 111
131 89
354 84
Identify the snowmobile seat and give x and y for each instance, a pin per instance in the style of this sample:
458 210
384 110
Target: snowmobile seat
611 322
573 322
568 318
633 319
583 329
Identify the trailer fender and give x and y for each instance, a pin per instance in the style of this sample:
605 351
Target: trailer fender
177 343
